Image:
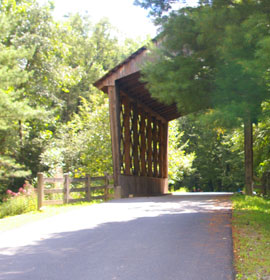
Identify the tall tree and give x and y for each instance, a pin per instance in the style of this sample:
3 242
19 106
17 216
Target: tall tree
210 57
15 105
28 63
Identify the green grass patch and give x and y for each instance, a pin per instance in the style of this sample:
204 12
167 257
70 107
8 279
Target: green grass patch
12 222
251 233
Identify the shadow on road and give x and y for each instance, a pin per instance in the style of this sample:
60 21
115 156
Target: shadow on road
165 238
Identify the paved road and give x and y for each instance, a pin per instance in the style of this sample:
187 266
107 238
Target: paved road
160 238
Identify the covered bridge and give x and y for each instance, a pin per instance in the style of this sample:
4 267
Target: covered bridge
139 130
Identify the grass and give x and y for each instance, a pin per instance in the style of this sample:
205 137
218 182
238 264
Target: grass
21 208
12 222
251 233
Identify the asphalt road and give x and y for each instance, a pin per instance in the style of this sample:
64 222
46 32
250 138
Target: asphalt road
160 238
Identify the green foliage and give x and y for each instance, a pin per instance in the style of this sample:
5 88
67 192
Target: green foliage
14 107
17 206
211 57
261 142
180 162
18 203
82 146
219 155
181 70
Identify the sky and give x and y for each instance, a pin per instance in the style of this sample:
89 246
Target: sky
130 20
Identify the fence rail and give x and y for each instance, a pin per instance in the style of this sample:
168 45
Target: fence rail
67 190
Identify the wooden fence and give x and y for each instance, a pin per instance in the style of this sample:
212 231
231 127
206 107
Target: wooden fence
66 190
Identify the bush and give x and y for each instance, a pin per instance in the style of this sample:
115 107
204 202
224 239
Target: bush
25 200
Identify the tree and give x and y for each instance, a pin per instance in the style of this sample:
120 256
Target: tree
210 57
81 141
180 161
219 155
46 72
85 53
15 107
82 146
27 86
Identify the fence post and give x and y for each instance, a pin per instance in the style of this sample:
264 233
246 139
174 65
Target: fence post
107 182
66 188
88 187
40 190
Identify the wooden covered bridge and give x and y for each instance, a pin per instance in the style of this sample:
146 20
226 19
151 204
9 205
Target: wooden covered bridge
139 130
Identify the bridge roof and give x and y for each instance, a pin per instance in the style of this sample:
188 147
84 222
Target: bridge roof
127 76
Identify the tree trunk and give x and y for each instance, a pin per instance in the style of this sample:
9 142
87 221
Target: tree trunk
248 135
21 134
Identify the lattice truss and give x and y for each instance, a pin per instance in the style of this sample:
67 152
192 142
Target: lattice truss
142 143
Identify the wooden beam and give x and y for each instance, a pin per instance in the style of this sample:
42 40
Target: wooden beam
66 188
149 145
126 116
143 144
144 107
165 152
131 65
135 139
161 149
114 109
155 152
40 190
122 148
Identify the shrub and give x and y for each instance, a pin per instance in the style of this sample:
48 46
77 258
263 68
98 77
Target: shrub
25 200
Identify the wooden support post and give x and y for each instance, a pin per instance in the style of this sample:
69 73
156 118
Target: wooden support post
165 152
114 108
155 154
126 116
88 187
135 140
149 145
66 188
161 149
40 190
143 144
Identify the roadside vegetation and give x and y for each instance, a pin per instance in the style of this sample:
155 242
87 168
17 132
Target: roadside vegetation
251 234
12 222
